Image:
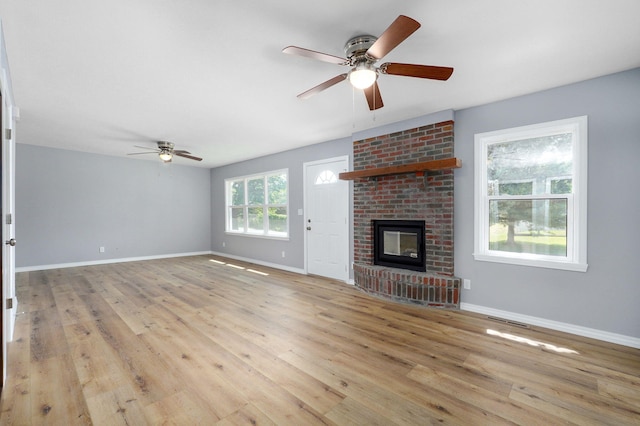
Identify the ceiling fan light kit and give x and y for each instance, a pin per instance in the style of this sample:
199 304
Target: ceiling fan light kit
165 156
362 76
362 52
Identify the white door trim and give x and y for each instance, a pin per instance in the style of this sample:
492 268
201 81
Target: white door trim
9 113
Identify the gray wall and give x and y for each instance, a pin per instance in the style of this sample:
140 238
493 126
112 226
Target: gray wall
269 250
68 204
607 296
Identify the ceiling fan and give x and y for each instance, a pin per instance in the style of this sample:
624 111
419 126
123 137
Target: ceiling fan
362 52
166 152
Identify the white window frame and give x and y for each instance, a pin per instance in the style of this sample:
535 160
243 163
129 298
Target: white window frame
576 259
265 229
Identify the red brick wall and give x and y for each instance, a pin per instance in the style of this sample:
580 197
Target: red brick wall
407 196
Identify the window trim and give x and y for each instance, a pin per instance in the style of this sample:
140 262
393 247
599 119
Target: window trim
266 205
576 259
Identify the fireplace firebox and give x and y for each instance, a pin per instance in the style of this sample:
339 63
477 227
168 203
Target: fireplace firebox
399 244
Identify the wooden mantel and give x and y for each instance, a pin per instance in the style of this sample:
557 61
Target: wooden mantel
425 166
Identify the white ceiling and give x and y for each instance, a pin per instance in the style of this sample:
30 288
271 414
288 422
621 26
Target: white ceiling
103 76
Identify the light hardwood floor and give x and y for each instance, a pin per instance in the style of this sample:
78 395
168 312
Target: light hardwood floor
193 341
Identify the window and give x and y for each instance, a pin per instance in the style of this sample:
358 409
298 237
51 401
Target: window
531 195
258 205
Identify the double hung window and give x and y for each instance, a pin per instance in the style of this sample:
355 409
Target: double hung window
531 195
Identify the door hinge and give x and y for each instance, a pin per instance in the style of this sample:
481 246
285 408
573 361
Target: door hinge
10 303
9 219
7 134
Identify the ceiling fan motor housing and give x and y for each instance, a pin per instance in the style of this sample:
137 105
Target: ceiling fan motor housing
165 146
357 47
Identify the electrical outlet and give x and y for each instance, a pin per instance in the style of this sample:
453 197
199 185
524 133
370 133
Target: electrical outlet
282 253
101 249
467 284
224 244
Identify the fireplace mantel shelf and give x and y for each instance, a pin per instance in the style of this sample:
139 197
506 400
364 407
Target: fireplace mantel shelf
418 168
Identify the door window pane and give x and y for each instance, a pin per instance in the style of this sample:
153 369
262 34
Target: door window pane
326 177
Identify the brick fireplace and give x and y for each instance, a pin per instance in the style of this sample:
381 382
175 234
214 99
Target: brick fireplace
420 196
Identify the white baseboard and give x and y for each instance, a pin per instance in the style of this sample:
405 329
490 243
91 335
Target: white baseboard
260 262
606 336
162 256
107 261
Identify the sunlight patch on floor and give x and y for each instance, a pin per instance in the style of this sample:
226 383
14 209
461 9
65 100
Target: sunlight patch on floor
231 265
531 342
219 262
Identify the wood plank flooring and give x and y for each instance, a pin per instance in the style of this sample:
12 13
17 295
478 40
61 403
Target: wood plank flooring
206 340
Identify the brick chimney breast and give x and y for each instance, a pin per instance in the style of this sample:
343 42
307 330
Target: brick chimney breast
407 197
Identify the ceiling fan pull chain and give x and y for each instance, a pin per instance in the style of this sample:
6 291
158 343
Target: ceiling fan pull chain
353 106
375 86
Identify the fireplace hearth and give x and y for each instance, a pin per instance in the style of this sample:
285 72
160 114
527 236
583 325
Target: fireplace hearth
399 244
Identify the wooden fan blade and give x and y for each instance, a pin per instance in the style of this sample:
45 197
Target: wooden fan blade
299 51
420 71
397 32
139 153
146 147
181 151
372 93
322 86
184 155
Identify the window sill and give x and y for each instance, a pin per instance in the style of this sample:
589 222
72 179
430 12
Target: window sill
567 266
265 237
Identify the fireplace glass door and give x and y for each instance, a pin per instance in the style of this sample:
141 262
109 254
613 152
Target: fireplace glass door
396 243
399 244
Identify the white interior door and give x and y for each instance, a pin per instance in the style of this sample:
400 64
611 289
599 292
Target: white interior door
327 218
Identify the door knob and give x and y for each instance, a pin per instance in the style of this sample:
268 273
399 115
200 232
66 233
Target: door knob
308 228
11 242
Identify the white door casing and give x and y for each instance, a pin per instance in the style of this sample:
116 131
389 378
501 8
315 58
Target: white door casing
326 219
8 220
9 117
